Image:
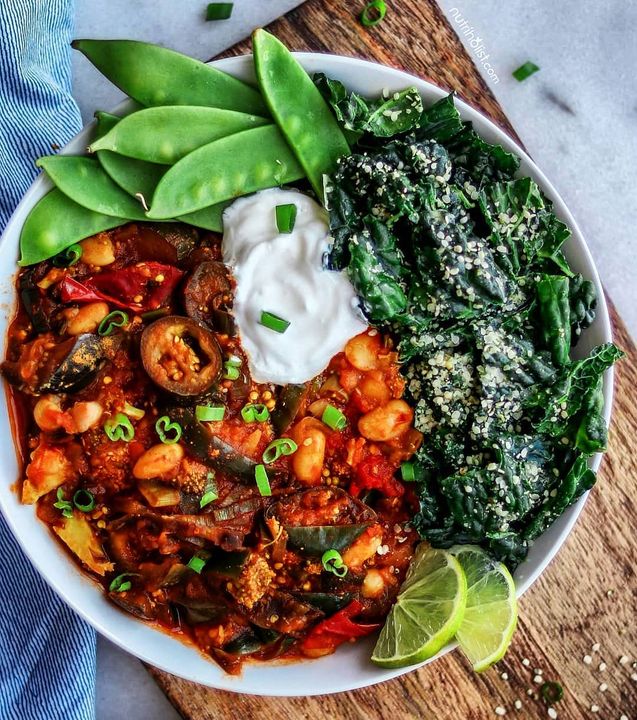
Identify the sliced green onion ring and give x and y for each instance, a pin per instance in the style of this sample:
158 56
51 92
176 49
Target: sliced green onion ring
84 500
334 418
120 584
119 427
231 371
115 319
210 493
169 432
525 71
198 561
210 413
273 322
373 13
285 218
219 11
552 692
333 562
282 446
63 505
262 480
133 412
407 472
254 412
69 257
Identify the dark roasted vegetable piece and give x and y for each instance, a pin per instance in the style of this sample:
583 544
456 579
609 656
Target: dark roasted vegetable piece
208 295
210 449
200 611
289 402
32 301
163 356
226 564
321 519
329 603
136 602
251 641
282 612
73 363
165 242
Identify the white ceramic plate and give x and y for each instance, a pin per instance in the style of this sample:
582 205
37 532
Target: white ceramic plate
349 667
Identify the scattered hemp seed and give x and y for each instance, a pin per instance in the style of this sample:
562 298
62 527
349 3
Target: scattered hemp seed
552 713
633 677
537 679
594 708
518 704
601 667
500 711
526 662
504 676
596 647
603 687
624 659
588 659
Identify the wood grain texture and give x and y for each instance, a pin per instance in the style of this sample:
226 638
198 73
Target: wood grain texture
588 594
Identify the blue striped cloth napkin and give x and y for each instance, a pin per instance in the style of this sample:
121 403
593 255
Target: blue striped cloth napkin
47 653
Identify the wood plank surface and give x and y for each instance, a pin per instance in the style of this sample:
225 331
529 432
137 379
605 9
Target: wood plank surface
589 593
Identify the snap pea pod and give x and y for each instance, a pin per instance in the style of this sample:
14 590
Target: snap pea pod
298 108
55 223
136 176
154 75
83 179
233 166
166 134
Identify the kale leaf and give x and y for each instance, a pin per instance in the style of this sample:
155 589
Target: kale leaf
462 262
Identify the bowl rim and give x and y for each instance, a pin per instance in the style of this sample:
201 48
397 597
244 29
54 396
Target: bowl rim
241 65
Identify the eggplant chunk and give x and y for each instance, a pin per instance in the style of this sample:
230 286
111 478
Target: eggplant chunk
287 407
321 519
284 613
210 449
73 363
208 296
165 242
181 355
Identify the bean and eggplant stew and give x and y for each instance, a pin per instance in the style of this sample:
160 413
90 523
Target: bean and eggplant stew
255 520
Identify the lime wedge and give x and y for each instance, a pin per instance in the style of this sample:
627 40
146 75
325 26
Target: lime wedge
492 611
427 611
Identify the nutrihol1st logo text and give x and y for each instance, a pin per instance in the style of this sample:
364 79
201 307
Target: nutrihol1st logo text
475 43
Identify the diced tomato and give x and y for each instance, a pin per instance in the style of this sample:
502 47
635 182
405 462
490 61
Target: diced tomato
375 473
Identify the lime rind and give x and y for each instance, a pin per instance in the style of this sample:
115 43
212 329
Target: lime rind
427 613
490 616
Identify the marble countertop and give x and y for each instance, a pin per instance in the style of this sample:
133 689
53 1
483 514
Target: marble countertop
577 117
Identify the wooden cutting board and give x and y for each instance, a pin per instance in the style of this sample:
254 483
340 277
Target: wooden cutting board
589 593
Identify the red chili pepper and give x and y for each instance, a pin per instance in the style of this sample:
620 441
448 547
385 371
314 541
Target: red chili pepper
338 628
375 473
141 287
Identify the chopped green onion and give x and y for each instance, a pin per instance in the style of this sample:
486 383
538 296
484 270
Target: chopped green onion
373 13
552 692
68 257
119 428
263 482
84 500
164 426
63 505
210 493
273 322
219 11
334 418
115 319
119 584
198 561
231 371
210 413
154 314
235 361
254 413
333 562
285 218
525 71
133 412
407 472
282 446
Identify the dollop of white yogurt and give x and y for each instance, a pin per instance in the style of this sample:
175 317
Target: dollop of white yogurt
283 274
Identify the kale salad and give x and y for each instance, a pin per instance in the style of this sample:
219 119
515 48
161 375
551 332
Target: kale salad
461 259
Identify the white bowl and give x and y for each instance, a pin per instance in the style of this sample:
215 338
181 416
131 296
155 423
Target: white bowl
349 667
